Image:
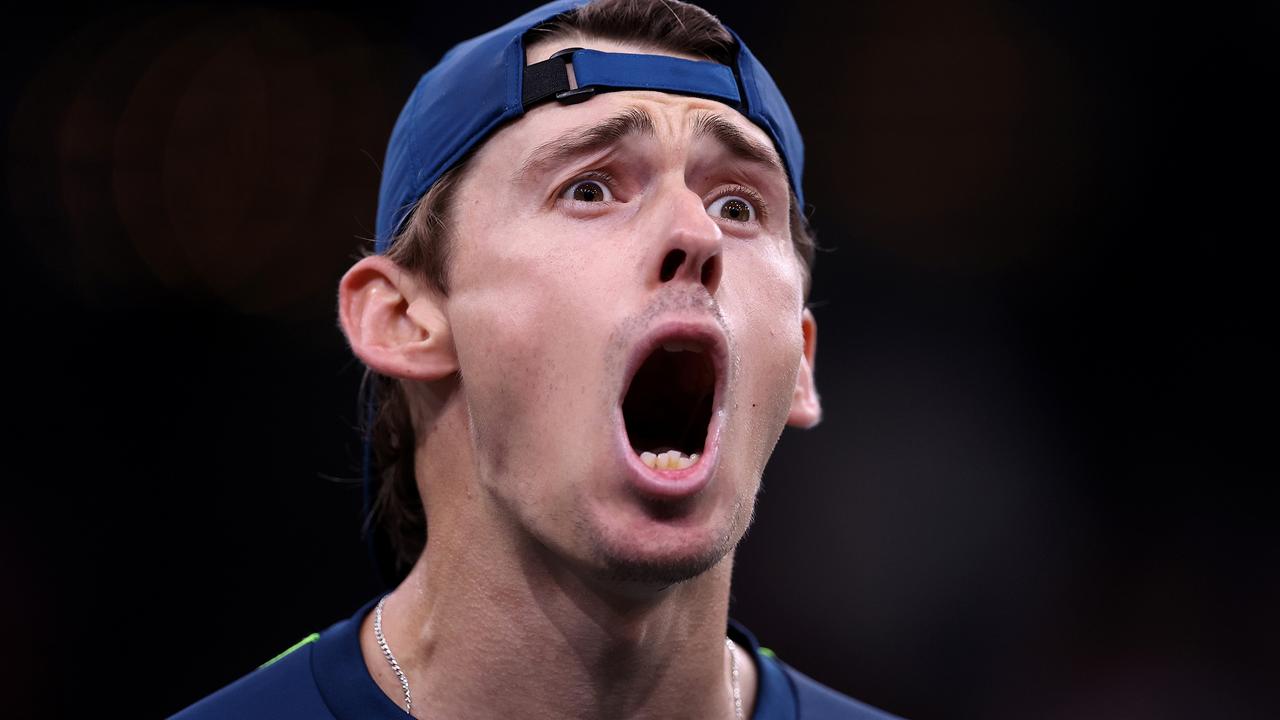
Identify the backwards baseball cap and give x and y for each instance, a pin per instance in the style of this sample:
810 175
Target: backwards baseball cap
483 83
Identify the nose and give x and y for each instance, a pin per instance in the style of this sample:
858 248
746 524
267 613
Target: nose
692 241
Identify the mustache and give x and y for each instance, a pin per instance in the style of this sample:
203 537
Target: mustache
684 298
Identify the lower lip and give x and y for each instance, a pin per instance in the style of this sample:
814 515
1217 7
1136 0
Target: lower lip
672 485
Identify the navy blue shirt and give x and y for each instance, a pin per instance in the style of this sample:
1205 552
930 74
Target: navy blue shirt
325 678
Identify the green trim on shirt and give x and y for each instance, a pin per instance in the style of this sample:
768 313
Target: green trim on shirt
308 639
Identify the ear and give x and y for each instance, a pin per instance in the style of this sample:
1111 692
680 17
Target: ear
395 322
806 408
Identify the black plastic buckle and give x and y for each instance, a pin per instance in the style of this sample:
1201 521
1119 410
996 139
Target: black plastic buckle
550 79
573 95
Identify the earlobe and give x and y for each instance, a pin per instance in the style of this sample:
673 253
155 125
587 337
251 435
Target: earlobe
806 407
394 322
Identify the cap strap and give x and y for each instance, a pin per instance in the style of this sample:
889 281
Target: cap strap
593 71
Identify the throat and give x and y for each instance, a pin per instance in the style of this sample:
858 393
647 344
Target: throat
510 649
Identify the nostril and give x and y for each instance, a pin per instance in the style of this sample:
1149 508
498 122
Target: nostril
711 272
671 263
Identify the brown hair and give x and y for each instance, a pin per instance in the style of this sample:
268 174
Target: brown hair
424 245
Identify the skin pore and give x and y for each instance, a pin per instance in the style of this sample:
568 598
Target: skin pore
553 585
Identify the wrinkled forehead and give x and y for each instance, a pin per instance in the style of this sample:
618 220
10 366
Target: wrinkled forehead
677 127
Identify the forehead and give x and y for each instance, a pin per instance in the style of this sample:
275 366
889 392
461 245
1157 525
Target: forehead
671 121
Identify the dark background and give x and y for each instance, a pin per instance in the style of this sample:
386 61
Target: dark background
1043 484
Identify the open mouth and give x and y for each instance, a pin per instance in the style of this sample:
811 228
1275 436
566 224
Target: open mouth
668 406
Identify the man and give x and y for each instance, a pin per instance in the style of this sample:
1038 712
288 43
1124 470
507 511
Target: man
586 327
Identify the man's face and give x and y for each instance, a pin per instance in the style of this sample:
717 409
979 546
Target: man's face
623 281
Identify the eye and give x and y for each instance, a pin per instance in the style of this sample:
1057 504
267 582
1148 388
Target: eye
590 191
732 207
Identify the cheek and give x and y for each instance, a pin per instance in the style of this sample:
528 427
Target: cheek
766 315
504 282
770 369
526 333
508 343
528 294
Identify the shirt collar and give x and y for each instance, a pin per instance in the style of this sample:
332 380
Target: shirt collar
337 663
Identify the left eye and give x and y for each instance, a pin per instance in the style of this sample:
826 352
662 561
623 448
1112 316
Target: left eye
732 207
589 191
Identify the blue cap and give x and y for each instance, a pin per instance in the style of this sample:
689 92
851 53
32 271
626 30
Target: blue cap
483 83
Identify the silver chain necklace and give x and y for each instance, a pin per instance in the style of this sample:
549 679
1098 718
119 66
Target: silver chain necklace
386 652
408 698
733 671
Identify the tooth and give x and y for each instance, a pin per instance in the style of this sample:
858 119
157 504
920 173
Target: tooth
668 460
672 347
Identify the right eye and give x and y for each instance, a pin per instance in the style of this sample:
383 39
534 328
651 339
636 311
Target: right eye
589 191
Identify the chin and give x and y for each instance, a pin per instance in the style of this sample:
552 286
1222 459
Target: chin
665 551
659 569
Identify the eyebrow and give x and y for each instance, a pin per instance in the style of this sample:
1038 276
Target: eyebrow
736 141
595 137
587 139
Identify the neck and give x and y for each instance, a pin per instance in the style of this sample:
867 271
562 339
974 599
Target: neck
486 627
